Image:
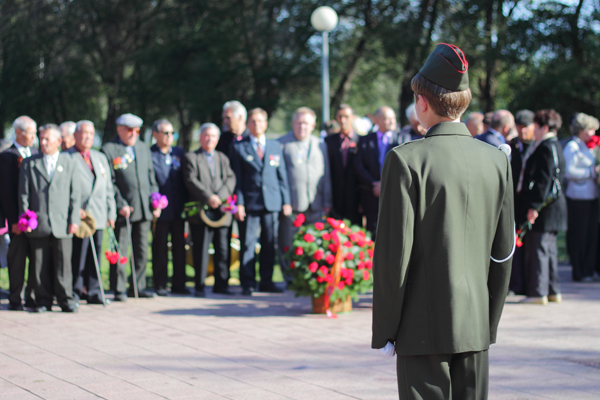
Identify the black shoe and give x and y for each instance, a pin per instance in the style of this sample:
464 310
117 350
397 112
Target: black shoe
41 309
247 291
30 303
184 291
223 291
269 288
94 300
119 296
142 294
69 308
162 292
199 293
16 306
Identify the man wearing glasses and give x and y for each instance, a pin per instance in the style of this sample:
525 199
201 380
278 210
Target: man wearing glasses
134 181
167 160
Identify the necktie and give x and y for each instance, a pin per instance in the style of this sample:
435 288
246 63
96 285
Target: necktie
129 150
345 146
259 150
51 167
211 164
88 161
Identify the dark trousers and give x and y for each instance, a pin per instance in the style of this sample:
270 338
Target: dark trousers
541 264
51 258
370 205
269 225
160 254
582 237
18 249
202 236
84 269
139 237
461 376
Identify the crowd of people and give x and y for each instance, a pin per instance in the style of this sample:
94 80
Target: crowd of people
67 183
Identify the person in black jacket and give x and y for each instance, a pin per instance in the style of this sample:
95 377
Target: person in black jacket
342 149
167 161
18 249
234 126
535 186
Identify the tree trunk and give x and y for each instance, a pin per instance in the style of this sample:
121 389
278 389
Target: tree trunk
348 76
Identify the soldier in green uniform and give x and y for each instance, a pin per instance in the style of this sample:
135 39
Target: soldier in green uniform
445 237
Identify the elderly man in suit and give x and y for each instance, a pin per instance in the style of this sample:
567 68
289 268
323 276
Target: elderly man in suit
167 161
372 150
10 164
501 126
209 180
234 124
97 199
262 192
309 178
342 149
49 186
445 237
134 181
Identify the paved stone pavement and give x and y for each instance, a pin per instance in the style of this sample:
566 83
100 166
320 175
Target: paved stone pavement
271 347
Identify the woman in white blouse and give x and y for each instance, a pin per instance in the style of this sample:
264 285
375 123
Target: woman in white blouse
582 198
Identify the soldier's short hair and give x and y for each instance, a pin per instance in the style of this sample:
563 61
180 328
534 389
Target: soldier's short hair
444 102
237 109
304 110
259 111
549 118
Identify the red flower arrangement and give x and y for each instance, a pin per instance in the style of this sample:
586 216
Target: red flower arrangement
330 259
594 142
112 254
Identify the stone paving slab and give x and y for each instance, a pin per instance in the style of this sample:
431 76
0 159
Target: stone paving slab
271 347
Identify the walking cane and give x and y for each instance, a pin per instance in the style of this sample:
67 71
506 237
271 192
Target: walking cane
133 274
93 246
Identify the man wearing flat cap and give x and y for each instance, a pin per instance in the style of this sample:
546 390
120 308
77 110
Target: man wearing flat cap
445 238
134 181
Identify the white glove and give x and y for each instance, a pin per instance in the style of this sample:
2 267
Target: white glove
389 350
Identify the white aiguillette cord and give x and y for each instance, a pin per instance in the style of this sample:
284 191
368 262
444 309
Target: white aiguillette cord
507 150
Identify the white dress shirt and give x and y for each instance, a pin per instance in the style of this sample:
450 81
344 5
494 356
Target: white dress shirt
24 151
50 162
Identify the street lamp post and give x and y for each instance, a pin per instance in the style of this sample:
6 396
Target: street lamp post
324 19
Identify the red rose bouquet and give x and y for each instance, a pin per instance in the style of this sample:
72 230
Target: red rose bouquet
112 254
330 259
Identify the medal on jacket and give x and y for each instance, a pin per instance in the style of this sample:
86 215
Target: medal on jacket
122 162
59 168
249 158
274 160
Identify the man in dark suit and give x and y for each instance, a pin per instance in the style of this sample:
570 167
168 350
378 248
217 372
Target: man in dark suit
234 125
134 181
167 161
520 148
342 149
262 191
445 238
501 125
542 168
372 150
210 180
10 164
49 186
97 199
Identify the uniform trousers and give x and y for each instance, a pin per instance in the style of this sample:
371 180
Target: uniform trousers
139 237
268 222
541 264
202 236
286 233
84 268
51 259
582 237
18 249
461 376
160 254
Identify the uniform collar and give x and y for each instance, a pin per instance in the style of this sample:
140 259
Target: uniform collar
447 129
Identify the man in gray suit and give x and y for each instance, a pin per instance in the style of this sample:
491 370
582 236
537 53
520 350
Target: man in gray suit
307 165
98 199
134 181
49 186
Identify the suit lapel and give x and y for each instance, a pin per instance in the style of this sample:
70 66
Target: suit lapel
39 164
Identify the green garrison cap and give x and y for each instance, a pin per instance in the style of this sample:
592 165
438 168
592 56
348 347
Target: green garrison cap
447 67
